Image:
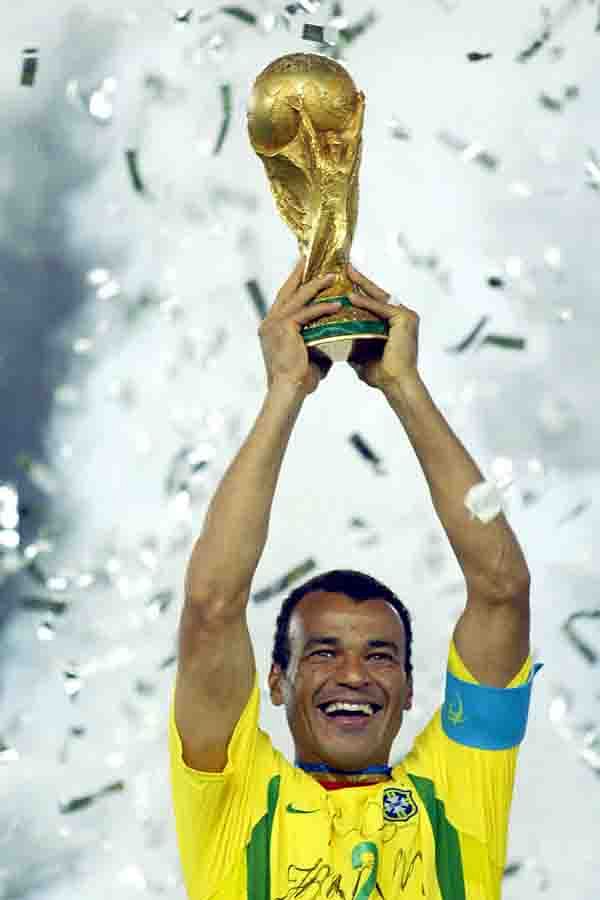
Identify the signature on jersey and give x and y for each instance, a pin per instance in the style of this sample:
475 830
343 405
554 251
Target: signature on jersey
321 879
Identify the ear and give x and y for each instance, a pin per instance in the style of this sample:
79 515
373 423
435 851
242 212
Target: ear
274 679
409 697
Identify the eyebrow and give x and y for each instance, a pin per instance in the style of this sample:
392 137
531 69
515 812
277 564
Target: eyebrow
335 642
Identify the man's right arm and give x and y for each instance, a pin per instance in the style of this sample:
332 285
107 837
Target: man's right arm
216 667
228 550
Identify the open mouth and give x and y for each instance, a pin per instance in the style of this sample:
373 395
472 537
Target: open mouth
349 720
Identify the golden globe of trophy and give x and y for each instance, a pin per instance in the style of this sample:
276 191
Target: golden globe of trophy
305 119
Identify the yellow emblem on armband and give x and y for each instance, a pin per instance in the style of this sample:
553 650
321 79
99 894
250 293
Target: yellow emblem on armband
455 711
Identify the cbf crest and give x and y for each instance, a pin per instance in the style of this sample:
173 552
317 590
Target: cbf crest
398 805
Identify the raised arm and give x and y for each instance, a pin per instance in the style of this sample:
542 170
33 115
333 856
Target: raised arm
216 668
492 634
229 548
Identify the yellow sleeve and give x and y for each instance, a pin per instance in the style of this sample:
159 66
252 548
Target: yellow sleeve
216 811
474 785
458 668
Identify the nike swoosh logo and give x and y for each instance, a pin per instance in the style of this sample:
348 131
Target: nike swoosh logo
291 808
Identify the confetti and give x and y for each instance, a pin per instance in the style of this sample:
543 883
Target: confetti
512 868
133 168
397 130
576 511
313 33
556 104
184 16
484 501
352 32
590 751
302 6
240 13
159 603
226 103
471 150
189 468
365 451
85 800
257 297
285 582
36 603
587 651
533 48
30 66
536 874
551 23
428 261
320 35
9 507
338 35
466 342
501 340
592 168
38 473
477 57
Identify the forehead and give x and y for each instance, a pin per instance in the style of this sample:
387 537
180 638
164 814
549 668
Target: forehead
322 612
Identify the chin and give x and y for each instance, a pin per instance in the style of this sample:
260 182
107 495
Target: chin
347 761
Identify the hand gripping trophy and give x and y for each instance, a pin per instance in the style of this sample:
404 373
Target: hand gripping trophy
305 119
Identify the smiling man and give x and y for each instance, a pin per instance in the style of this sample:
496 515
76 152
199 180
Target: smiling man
347 724
340 821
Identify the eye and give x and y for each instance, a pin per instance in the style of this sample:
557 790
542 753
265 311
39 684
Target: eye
371 655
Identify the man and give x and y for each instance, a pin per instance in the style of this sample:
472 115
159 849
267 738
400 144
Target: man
340 822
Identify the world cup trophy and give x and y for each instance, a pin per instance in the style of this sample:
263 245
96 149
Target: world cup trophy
305 119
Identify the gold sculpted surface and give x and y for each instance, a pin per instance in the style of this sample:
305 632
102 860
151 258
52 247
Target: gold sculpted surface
305 119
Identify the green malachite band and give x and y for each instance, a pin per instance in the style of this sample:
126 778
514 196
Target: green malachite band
341 329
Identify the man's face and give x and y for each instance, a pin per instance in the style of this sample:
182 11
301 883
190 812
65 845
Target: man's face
350 669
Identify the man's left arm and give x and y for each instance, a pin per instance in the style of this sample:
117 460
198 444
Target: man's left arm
492 634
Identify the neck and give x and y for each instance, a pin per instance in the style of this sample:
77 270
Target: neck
330 778
324 773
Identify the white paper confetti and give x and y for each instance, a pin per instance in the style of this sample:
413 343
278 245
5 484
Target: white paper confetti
484 501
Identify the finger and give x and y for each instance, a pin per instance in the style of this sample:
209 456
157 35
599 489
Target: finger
294 280
407 318
379 307
314 311
310 290
368 286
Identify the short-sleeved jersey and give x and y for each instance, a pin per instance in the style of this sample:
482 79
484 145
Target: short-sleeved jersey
264 829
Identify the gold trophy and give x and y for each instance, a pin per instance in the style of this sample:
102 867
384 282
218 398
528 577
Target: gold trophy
305 119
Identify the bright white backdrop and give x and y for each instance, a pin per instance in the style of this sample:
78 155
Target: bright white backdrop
166 378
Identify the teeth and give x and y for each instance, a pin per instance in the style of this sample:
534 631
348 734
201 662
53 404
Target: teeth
361 707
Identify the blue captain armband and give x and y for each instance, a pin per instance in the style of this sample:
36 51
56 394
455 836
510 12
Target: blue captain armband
488 718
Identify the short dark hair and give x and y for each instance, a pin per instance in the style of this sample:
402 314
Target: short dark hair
356 585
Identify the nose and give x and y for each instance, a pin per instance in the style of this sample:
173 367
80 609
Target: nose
351 670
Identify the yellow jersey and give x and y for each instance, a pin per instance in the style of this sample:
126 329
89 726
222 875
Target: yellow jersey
264 829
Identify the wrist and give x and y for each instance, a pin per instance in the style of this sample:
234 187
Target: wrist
405 385
286 393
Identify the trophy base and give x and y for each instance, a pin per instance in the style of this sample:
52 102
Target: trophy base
346 341
348 349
